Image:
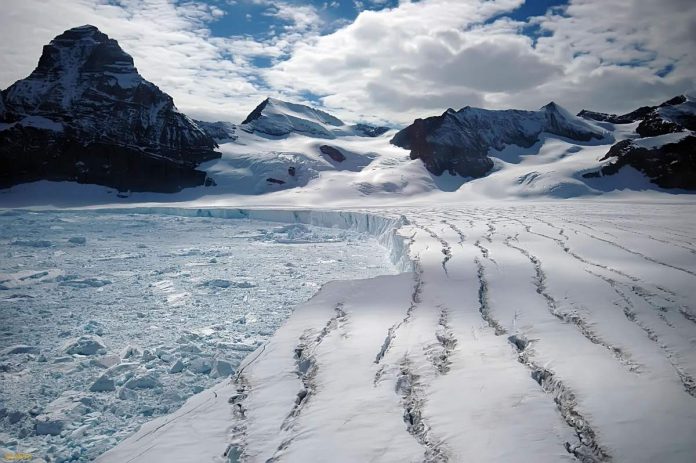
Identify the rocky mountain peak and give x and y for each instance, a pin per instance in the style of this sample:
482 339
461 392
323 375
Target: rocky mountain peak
280 118
85 102
76 61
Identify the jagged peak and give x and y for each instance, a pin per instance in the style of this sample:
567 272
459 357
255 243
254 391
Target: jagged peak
83 48
80 33
552 106
679 99
277 107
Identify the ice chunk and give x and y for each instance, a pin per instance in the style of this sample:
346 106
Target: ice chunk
148 381
106 361
32 243
130 352
127 394
103 384
200 365
218 283
59 413
147 356
20 349
178 367
94 327
6 439
45 425
85 345
84 283
221 369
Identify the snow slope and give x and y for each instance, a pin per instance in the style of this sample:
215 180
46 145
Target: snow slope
524 332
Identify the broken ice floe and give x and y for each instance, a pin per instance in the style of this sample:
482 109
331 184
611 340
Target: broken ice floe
118 337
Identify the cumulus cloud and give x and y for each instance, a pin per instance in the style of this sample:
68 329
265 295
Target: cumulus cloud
392 64
402 62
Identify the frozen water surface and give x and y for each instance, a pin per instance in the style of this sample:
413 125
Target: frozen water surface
109 320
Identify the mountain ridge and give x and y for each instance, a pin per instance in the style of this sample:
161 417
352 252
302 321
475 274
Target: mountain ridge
459 142
86 115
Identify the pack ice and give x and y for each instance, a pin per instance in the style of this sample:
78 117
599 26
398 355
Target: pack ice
116 319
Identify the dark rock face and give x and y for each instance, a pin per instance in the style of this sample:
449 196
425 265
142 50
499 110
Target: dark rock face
333 153
467 161
370 130
627 118
257 112
459 141
86 115
653 125
672 165
673 115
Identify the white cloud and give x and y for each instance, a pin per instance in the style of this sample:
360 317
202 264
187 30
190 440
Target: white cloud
301 18
425 56
209 77
394 64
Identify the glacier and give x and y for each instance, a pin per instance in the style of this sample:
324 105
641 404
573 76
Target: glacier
525 332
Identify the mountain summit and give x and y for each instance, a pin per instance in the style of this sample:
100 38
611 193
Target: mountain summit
279 118
86 114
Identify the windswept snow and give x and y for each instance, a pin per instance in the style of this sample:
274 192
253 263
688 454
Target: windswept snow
529 332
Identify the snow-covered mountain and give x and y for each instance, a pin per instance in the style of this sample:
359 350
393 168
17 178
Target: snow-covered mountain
674 115
86 115
509 327
663 146
278 118
459 142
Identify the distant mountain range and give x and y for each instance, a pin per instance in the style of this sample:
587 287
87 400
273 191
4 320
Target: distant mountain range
86 115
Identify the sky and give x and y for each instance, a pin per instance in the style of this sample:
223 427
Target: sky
381 61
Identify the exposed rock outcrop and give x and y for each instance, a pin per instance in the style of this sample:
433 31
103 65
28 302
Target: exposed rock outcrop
671 165
333 153
674 115
370 130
